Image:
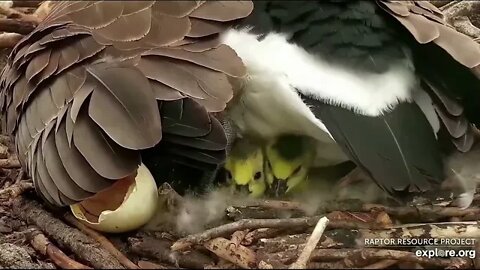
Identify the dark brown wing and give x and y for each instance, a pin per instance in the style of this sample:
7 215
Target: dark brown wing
81 93
448 63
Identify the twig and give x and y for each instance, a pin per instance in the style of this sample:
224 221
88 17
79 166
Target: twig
46 248
465 26
237 254
12 162
383 264
5 139
21 174
83 246
424 213
458 8
104 242
275 204
3 148
255 235
467 229
15 190
160 249
251 224
259 212
238 237
12 13
26 3
150 265
16 26
12 256
9 40
448 5
201 238
311 244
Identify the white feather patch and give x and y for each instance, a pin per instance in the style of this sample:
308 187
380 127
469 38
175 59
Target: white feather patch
366 93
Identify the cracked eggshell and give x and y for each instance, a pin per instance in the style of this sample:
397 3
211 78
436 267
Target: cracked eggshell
127 205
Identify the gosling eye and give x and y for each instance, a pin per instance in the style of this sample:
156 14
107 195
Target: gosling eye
257 175
297 170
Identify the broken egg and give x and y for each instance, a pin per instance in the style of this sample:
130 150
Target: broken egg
127 205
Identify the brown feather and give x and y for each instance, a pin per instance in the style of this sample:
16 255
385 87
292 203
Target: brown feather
43 191
185 118
454 108
68 56
98 15
47 109
129 27
130 7
216 10
465 142
203 28
69 126
76 165
130 102
456 126
79 99
201 46
426 23
61 115
175 8
215 140
106 157
164 92
37 66
45 178
215 59
81 124
189 79
58 173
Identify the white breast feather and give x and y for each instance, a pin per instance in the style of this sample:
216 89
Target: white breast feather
365 92
278 69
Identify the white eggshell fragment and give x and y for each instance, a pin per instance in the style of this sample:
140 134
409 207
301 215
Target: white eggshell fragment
136 209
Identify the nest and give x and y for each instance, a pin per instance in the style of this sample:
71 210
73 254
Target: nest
261 234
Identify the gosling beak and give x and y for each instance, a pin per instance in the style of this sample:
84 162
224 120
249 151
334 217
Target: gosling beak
242 189
279 187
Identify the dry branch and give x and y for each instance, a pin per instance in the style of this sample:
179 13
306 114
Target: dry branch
26 3
251 224
9 40
83 246
15 14
160 249
46 248
223 230
383 264
104 242
423 213
16 26
12 256
150 265
15 190
459 8
230 251
11 162
311 244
